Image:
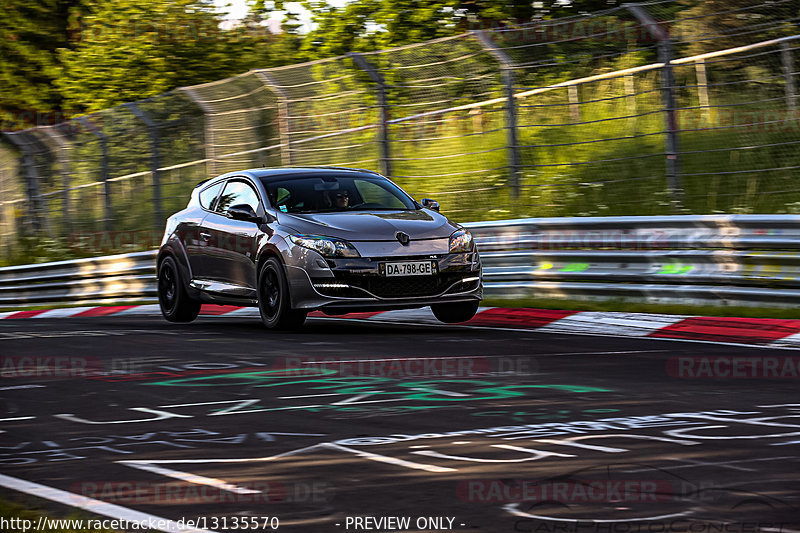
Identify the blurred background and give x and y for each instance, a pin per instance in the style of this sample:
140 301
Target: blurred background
113 110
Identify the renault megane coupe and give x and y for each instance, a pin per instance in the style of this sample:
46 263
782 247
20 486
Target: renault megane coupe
294 240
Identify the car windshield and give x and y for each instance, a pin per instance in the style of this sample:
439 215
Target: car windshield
332 193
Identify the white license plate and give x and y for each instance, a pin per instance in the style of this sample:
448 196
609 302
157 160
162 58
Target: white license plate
409 268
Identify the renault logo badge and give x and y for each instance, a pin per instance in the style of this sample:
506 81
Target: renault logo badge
403 238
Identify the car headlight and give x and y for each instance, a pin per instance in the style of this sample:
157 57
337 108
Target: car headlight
325 246
461 241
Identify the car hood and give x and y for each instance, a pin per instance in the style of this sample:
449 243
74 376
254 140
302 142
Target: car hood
371 225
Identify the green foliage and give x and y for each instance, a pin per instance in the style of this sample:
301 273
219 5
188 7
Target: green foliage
66 57
726 17
133 49
30 35
611 162
364 25
28 250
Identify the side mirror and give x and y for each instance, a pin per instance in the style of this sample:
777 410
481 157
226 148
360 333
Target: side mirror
243 212
430 204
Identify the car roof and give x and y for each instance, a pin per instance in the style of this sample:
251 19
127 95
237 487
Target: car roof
306 171
292 171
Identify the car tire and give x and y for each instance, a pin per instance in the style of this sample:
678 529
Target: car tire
274 302
175 303
455 312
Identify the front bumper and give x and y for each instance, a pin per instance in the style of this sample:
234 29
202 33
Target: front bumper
358 283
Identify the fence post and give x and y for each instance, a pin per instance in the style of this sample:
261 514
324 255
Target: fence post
671 145
36 202
208 112
788 71
574 102
284 123
630 89
6 213
507 66
108 215
702 86
63 163
155 159
383 105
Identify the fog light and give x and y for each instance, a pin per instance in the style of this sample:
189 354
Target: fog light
331 286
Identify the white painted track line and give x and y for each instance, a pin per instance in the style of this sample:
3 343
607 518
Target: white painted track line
622 324
95 506
249 312
422 316
608 324
792 341
60 313
151 309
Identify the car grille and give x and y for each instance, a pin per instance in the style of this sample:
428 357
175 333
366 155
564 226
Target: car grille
394 287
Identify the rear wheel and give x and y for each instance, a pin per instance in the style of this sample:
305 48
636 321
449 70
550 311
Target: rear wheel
274 303
455 312
176 306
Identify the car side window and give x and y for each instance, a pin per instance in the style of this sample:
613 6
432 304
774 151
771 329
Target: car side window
372 193
282 198
237 193
209 194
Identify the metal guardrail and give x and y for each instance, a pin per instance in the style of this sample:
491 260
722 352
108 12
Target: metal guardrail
712 260
94 280
749 260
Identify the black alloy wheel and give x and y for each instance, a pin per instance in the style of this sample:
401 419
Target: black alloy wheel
274 302
176 306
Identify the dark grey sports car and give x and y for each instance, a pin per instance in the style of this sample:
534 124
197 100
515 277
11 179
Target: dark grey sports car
292 240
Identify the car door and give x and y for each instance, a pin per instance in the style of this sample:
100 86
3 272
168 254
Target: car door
197 239
233 243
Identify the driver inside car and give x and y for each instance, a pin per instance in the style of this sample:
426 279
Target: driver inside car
341 199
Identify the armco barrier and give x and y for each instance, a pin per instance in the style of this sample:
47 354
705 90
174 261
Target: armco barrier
718 260
97 279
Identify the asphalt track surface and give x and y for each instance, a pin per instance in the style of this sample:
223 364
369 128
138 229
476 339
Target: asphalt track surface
454 428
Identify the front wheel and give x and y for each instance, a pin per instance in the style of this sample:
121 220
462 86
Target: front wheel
176 306
455 312
274 303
